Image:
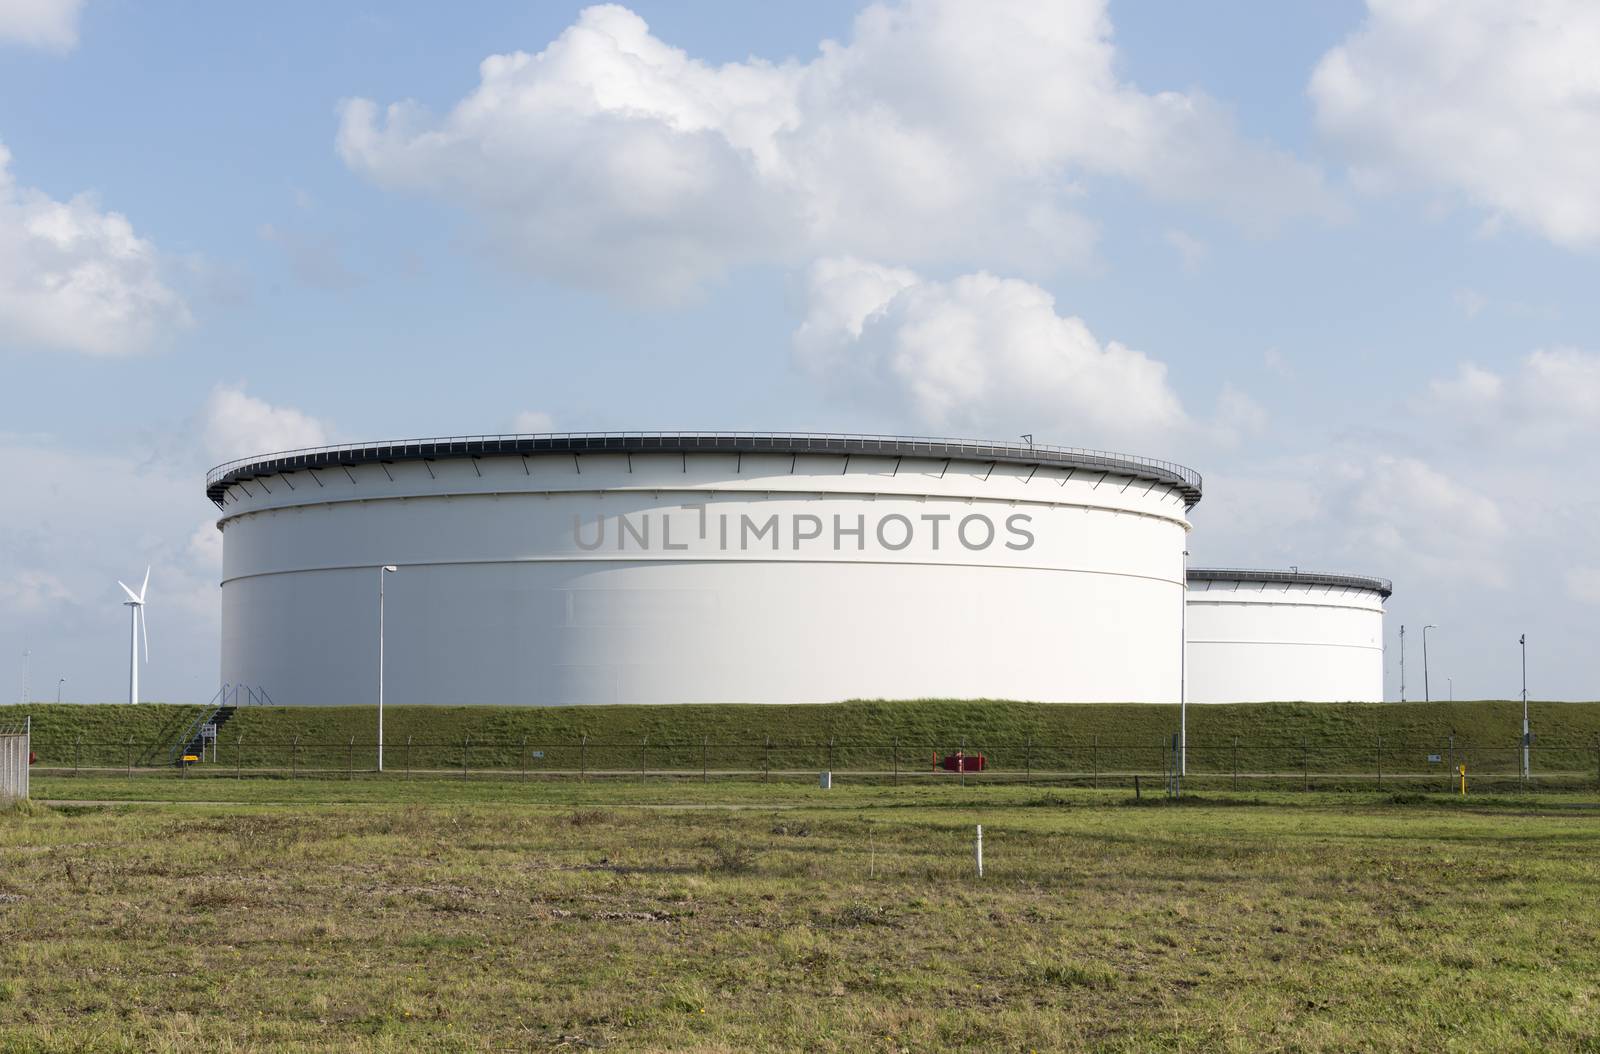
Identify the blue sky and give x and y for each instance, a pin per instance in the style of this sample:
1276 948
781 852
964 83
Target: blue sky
1338 257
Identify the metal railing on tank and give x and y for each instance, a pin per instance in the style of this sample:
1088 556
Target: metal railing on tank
350 454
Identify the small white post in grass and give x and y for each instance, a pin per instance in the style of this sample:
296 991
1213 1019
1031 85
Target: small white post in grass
978 851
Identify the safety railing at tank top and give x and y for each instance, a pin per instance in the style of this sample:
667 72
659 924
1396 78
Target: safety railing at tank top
785 442
1303 578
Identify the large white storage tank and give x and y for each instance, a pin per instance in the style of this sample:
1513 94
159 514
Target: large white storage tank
703 567
1280 636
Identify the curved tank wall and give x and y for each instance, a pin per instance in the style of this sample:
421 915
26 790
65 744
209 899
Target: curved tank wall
687 576
1284 636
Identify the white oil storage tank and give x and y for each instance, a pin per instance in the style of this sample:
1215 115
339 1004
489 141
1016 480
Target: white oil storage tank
1280 636
702 568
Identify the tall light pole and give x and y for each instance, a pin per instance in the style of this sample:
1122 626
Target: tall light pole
1402 662
1523 640
1426 696
1183 673
1452 683
383 572
59 682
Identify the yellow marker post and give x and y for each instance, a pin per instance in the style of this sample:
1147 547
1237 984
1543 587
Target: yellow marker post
1462 769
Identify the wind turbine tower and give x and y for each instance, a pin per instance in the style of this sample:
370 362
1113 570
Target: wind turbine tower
136 629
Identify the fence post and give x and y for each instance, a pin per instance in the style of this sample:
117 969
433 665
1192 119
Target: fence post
238 757
1449 760
524 759
583 757
1305 761
130 755
896 749
350 760
704 742
644 756
408 757
466 755
294 758
77 751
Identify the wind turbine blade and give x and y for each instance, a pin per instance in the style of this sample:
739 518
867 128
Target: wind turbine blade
144 631
131 594
146 584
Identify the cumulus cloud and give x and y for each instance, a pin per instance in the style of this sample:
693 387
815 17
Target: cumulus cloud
30 590
531 422
1355 508
74 278
976 353
48 24
1553 394
1496 102
1583 584
234 424
613 159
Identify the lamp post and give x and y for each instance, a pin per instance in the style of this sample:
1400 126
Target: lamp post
1402 662
1183 673
1451 681
59 682
1523 640
383 572
1426 696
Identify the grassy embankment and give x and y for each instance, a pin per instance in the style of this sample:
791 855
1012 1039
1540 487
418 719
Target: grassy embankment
1277 737
849 920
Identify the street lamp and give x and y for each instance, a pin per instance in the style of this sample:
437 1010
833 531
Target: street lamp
1426 697
383 572
1523 640
1402 662
1183 673
59 682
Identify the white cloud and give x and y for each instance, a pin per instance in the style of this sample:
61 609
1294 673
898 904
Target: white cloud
1583 584
48 24
612 159
1552 395
1355 510
1471 302
531 422
30 590
74 278
977 353
1494 101
1191 250
234 424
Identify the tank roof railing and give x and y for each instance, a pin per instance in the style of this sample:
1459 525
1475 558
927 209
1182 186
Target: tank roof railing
1304 578
1186 480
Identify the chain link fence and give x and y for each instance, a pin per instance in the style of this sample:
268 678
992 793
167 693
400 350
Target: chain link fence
1238 763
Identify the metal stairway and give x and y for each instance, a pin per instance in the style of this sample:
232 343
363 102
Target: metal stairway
222 706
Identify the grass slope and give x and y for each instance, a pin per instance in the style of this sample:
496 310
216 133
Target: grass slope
1277 737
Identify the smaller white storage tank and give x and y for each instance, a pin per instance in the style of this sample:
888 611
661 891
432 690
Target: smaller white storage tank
1284 636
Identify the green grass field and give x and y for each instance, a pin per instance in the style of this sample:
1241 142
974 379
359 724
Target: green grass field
737 916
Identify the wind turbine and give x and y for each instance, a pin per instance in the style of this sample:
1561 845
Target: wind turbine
136 628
